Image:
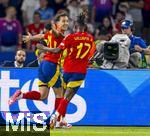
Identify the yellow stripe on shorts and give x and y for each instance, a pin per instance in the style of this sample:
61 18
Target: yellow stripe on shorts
73 84
63 84
54 79
40 83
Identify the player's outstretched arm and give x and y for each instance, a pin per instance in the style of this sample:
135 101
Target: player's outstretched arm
47 49
29 37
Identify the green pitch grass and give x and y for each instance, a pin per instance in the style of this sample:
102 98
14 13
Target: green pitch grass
83 131
102 131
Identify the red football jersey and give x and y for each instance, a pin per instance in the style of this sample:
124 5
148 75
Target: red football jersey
79 46
52 42
35 30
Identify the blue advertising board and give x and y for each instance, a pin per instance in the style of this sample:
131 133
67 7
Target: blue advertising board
107 97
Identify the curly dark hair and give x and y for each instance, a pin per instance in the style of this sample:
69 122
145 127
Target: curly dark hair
82 20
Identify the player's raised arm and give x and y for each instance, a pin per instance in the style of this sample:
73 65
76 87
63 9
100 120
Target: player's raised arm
47 49
29 37
61 47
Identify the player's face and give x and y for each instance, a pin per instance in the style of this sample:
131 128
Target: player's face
63 23
20 56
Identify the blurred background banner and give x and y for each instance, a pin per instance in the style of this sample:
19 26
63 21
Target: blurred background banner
107 97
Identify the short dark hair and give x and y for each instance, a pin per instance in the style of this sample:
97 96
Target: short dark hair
48 27
20 50
59 14
37 13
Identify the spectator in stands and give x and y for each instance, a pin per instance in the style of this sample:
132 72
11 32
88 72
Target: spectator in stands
10 31
28 8
104 31
84 4
39 54
20 58
136 12
17 4
115 4
137 47
124 7
74 9
3 5
116 22
146 20
57 4
35 28
46 12
101 8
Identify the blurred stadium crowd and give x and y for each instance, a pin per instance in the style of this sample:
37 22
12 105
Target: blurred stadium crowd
18 17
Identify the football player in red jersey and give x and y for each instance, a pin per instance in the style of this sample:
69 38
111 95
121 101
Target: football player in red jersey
48 73
80 48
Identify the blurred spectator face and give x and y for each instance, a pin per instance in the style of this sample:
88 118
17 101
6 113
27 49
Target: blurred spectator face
119 16
73 3
115 1
59 1
20 56
124 6
84 4
106 22
43 3
11 12
4 1
36 18
63 23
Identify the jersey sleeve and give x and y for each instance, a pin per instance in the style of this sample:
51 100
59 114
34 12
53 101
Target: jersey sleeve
45 35
65 42
45 40
142 43
92 50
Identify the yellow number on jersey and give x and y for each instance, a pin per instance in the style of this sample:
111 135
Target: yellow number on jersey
79 47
